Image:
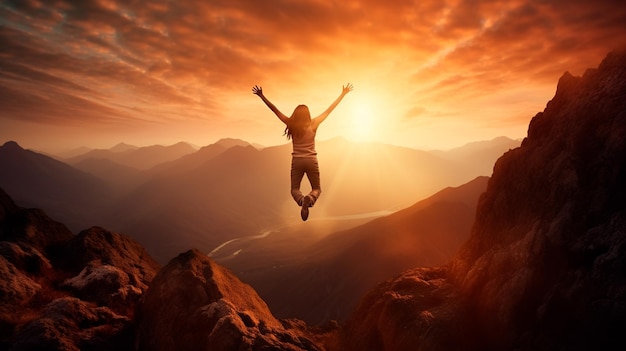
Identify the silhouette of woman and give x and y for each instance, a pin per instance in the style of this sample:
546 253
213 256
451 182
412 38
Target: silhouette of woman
301 129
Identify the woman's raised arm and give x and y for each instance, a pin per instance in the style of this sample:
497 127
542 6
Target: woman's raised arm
344 90
257 90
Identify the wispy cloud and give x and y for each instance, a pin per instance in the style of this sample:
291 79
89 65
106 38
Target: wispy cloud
172 62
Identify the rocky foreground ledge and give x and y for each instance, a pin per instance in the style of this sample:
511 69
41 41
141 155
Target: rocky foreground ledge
100 290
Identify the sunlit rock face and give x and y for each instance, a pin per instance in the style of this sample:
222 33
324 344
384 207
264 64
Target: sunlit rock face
195 304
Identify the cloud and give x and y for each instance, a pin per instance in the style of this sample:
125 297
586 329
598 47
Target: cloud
167 61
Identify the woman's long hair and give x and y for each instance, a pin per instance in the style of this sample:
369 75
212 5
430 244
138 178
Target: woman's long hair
299 121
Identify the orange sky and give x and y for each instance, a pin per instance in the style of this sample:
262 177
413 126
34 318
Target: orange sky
428 74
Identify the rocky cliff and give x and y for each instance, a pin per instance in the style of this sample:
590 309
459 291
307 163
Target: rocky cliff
544 266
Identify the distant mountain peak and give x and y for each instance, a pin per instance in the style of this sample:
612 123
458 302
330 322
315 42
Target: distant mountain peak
182 143
11 145
230 142
121 147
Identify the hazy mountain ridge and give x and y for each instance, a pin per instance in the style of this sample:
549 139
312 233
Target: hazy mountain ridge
64 191
120 177
242 191
191 161
478 155
200 195
140 158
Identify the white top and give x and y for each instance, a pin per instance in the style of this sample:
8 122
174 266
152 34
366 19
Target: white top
304 146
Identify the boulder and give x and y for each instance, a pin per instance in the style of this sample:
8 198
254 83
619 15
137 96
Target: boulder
410 312
111 269
105 285
98 246
16 292
70 324
25 258
195 304
16 289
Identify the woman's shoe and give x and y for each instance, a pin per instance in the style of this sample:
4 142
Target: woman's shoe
306 203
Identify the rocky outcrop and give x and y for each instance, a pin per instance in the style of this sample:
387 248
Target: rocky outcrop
15 287
74 325
64 292
544 266
111 269
106 247
195 304
25 257
32 227
409 312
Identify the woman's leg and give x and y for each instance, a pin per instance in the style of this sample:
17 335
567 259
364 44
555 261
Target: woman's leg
313 173
297 172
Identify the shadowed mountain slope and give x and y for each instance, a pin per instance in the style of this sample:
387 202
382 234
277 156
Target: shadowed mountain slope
62 190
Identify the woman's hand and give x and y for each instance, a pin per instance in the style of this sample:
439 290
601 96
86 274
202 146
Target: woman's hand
257 90
347 88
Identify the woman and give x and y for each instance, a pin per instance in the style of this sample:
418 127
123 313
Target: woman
301 129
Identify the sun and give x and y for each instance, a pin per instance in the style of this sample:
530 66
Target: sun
364 119
365 115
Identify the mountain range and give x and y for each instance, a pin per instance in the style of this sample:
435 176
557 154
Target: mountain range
63 191
231 189
136 157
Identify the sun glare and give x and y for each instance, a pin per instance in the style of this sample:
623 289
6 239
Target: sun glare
363 120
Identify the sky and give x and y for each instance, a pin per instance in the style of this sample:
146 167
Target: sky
427 74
